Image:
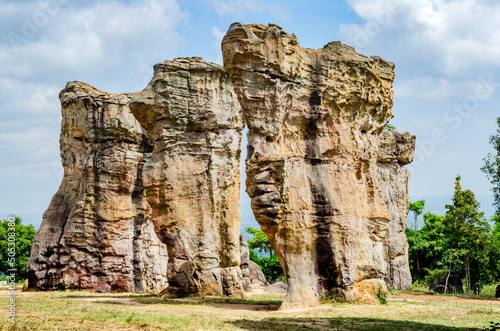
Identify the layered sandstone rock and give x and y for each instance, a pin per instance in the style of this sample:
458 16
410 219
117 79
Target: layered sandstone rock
156 173
396 149
245 264
96 233
314 117
192 178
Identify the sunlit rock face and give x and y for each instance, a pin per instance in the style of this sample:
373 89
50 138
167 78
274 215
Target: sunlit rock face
96 233
192 180
314 120
396 150
150 195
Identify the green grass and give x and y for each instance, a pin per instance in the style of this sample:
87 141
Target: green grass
76 310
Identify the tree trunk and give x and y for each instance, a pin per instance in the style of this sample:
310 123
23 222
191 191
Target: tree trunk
416 220
447 277
467 274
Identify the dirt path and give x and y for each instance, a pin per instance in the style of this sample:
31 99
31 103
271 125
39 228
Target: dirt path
426 298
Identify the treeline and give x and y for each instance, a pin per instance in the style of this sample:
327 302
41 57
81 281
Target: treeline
461 240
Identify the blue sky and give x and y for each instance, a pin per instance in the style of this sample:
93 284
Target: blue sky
447 56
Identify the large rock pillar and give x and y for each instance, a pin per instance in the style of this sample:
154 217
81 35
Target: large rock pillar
396 150
314 117
192 179
96 233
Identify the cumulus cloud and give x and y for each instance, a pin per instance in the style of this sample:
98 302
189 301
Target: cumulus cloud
43 44
450 37
218 36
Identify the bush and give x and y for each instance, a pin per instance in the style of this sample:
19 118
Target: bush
381 296
24 235
270 266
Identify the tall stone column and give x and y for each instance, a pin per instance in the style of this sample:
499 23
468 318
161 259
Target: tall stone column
96 233
396 150
192 180
314 117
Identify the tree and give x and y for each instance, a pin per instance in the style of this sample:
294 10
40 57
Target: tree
466 232
417 208
390 127
270 266
491 167
259 241
24 235
427 246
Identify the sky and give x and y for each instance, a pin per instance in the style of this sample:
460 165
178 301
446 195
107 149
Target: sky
447 86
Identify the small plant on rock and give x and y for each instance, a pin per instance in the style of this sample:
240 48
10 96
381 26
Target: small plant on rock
381 296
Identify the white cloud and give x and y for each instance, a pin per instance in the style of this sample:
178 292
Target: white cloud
100 39
45 43
449 37
218 36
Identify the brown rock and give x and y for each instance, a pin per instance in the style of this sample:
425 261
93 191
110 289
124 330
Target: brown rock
96 233
245 261
192 178
277 287
314 117
257 277
396 150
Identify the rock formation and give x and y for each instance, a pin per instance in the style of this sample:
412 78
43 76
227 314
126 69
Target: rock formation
96 233
245 264
396 149
314 117
156 173
257 277
192 180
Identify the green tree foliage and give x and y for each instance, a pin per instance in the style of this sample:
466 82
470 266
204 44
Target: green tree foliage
259 241
427 246
466 232
461 240
270 266
24 235
491 167
417 208
390 127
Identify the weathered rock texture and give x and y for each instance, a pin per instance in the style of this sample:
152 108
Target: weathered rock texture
396 149
164 163
314 117
96 233
245 264
192 179
257 277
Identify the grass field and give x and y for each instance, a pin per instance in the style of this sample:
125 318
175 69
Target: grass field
78 310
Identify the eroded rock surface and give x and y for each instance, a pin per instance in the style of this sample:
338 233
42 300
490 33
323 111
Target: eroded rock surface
156 173
314 117
396 149
245 264
192 178
96 233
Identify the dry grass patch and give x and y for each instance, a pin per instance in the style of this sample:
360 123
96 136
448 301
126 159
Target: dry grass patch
82 310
